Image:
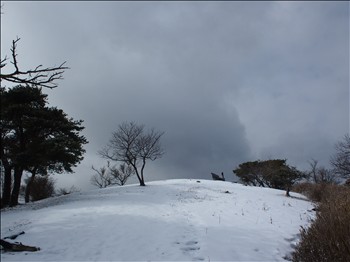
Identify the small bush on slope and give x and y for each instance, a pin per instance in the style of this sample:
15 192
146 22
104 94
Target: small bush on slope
316 192
328 238
42 187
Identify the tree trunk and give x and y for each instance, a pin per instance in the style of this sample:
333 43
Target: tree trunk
29 186
16 186
6 190
18 170
142 180
287 192
142 183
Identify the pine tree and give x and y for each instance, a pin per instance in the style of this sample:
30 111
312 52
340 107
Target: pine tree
36 138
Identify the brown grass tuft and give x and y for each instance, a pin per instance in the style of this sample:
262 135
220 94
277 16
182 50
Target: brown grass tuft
328 238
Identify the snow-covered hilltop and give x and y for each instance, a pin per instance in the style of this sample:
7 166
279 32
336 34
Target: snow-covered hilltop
178 220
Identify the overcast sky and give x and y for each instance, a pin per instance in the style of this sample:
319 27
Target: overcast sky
228 82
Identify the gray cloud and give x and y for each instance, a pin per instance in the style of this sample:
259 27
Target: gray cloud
228 82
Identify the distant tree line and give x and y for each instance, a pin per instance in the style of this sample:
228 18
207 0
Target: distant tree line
277 174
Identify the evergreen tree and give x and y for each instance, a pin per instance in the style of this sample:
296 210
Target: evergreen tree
36 138
270 173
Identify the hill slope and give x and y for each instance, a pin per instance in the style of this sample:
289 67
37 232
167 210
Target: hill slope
182 220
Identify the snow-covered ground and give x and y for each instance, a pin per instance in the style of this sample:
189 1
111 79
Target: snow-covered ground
171 220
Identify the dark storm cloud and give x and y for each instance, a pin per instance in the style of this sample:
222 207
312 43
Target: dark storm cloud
300 90
228 82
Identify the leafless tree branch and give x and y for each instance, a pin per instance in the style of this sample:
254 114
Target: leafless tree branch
111 175
121 175
101 178
39 76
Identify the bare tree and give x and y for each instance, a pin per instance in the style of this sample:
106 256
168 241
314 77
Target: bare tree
111 175
101 178
121 174
132 145
320 174
39 76
341 160
313 172
64 191
326 175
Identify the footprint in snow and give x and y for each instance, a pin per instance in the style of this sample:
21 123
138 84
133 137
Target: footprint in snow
186 249
192 242
190 246
198 259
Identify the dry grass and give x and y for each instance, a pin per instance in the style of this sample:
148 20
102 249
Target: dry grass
328 238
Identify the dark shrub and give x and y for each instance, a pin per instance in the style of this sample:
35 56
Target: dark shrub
42 187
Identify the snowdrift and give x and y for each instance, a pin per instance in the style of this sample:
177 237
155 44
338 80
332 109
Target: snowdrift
171 220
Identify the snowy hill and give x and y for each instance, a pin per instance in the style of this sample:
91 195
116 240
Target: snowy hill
177 220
